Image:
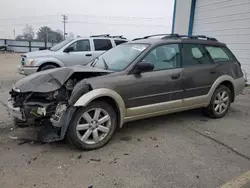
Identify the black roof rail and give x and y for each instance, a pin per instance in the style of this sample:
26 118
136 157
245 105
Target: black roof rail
189 37
156 35
177 36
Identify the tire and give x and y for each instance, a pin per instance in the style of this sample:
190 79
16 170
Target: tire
84 139
46 67
214 110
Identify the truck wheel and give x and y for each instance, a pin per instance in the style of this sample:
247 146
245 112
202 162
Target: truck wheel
220 103
92 126
46 67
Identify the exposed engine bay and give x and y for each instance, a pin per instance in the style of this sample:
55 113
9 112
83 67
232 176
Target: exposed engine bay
39 96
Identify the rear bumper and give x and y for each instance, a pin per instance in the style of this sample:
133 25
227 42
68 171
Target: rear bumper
240 84
15 111
26 70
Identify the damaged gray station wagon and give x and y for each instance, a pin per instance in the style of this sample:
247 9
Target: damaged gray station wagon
143 78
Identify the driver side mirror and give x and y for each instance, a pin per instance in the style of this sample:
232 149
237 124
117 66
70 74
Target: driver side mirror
143 67
69 49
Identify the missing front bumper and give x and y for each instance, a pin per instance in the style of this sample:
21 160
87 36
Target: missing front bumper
15 111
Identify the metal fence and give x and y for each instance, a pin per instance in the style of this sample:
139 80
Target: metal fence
23 45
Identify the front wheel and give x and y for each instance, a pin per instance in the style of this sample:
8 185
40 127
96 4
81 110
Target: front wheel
47 67
93 126
220 103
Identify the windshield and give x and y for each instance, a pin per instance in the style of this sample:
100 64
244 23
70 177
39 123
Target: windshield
118 58
60 45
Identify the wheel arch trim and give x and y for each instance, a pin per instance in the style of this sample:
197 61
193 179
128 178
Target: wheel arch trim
85 99
218 82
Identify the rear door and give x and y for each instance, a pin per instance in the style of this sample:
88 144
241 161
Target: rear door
101 46
200 71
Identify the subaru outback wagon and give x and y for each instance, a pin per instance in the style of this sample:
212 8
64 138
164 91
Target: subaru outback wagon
143 78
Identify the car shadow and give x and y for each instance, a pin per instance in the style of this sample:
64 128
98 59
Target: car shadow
155 123
138 129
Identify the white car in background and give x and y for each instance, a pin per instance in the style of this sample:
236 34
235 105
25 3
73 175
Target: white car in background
79 51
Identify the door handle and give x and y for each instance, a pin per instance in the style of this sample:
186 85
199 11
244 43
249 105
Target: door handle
213 71
88 55
175 76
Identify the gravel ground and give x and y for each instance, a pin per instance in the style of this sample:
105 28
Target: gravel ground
179 150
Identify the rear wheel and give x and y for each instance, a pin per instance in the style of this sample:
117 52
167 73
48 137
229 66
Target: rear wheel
93 126
220 103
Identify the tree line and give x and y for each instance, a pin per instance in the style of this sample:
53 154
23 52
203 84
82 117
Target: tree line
43 34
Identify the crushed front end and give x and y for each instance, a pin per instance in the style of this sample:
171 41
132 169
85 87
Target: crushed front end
32 106
47 98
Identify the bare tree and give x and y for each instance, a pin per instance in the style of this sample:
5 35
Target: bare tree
28 32
47 34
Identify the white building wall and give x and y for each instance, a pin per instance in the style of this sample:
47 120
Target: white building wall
229 22
182 15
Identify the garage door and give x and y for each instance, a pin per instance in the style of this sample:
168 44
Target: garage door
229 22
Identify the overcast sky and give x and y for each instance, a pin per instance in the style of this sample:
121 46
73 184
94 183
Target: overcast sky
131 18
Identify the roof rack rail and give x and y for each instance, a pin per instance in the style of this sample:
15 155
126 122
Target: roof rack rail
102 35
177 36
118 36
189 37
156 35
108 35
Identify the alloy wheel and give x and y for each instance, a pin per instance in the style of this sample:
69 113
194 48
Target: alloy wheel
221 102
93 126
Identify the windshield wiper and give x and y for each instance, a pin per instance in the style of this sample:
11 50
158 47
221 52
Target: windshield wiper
105 64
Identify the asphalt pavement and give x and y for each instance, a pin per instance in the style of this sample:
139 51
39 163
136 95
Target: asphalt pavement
183 149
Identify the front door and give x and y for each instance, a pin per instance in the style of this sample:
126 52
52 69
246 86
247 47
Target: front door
81 54
160 85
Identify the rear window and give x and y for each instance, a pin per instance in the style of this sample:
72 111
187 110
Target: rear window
117 42
219 54
102 44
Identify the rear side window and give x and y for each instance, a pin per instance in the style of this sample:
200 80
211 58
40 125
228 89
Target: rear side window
219 54
117 42
193 54
102 44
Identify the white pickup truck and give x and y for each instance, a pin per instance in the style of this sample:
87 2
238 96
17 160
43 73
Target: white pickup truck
79 51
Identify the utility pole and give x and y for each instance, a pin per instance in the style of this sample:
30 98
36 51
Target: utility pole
47 35
14 31
65 18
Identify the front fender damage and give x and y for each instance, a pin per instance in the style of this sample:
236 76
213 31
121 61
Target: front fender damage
60 125
64 113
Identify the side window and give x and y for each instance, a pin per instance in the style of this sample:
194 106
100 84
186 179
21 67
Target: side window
164 57
219 54
117 42
193 54
81 45
102 44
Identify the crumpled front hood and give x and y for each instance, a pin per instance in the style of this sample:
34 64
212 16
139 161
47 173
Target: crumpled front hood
40 53
53 79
